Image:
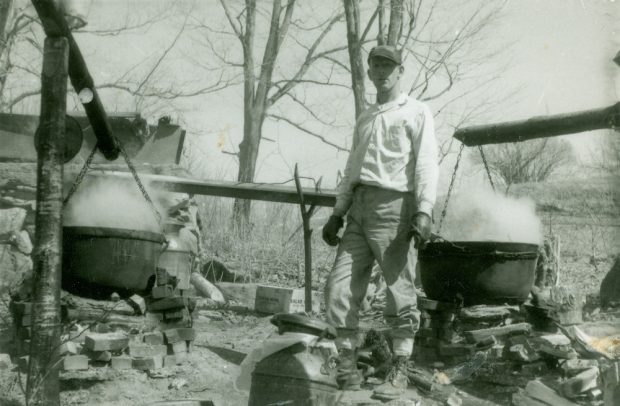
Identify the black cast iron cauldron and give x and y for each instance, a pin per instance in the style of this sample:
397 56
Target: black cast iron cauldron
109 257
478 272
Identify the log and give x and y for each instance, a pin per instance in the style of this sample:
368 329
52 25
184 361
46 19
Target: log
475 336
55 25
540 127
206 288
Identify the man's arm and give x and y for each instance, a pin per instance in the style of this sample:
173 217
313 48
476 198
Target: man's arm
426 168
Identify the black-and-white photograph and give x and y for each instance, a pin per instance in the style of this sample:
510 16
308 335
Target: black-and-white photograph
309 202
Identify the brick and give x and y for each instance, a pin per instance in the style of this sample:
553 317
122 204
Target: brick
175 314
139 350
160 292
75 362
428 304
179 334
143 364
69 347
120 363
105 341
5 361
179 347
24 333
137 303
22 363
175 302
99 356
170 360
153 338
21 308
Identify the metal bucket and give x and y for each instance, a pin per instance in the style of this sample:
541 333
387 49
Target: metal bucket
478 272
110 257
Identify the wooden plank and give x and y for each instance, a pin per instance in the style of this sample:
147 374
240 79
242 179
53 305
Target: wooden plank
251 191
540 127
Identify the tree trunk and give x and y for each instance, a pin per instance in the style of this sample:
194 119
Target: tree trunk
352 12
248 154
396 22
42 383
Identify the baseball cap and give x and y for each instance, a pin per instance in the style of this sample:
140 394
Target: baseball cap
386 51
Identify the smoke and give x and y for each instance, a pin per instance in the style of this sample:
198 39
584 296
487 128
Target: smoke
114 203
484 215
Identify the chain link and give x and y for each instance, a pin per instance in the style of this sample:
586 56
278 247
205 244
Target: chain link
445 205
80 177
134 173
486 166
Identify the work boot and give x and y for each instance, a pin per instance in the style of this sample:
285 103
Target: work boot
396 381
348 376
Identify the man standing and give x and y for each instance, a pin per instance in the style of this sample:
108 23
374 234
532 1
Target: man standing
388 190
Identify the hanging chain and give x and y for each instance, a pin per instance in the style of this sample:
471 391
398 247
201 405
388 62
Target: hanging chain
486 166
134 173
80 177
445 205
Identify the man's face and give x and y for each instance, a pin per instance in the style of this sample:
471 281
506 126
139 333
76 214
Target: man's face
384 73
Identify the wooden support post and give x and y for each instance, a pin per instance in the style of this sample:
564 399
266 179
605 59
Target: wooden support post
42 383
306 214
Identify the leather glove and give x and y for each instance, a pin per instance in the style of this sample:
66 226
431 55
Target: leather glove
330 230
420 230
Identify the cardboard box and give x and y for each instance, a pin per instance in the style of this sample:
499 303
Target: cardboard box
273 299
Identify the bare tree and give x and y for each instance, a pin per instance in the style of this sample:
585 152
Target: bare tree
529 161
261 88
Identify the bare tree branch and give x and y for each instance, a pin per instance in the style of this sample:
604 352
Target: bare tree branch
307 131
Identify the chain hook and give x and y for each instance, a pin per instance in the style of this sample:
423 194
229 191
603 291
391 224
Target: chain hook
445 205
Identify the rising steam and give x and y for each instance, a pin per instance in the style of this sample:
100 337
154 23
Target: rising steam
484 215
114 203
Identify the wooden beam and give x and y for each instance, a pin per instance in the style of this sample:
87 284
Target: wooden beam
541 127
54 25
252 191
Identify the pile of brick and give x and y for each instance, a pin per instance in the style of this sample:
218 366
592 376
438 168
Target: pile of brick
145 351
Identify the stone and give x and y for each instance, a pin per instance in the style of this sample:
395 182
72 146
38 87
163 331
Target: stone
580 383
143 364
115 297
610 286
105 341
179 334
12 220
153 338
574 366
74 362
139 350
5 361
137 303
121 362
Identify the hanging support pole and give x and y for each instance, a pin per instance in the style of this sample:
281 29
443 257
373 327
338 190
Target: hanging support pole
306 215
54 25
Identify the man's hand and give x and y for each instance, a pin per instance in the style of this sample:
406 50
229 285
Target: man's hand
330 230
420 229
